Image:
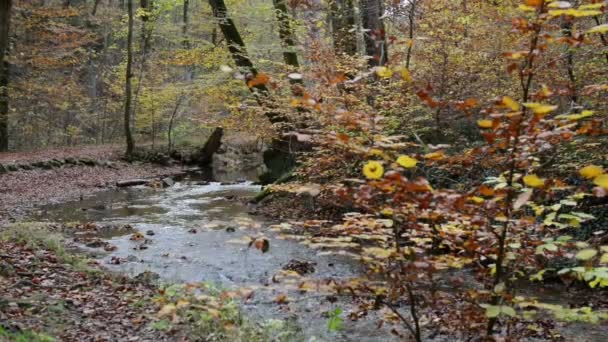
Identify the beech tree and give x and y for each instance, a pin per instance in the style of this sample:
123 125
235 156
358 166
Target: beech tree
128 77
5 16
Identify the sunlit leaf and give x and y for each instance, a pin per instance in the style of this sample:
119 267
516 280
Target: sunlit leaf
384 72
539 108
533 181
507 310
476 199
406 162
434 156
591 171
574 12
510 103
586 254
601 181
485 123
599 29
492 311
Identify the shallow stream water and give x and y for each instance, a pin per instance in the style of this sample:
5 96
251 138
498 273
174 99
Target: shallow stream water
198 232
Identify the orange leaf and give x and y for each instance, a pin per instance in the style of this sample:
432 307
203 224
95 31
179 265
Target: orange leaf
259 79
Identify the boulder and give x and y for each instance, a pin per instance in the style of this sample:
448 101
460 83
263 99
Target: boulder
204 156
167 182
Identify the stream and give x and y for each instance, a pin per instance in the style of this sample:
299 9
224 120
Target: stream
198 231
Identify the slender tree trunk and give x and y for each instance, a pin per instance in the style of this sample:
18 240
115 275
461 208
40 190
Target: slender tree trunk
5 16
569 60
129 75
146 35
171 120
375 35
285 32
185 21
411 21
602 36
95 6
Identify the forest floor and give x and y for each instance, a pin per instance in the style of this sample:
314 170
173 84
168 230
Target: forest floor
45 290
22 190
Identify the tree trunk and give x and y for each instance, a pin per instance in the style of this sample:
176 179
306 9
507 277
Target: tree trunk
237 49
375 35
146 36
95 6
185 21
344 27
285 32
5 16
236 46
129 75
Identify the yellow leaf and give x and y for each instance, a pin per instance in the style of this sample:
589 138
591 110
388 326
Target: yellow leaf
407 162
373 170
376 152
591 6
591 171
573 117
182 303
604 259
166 310
601 180
512 104
533 181
485 123
404 74
574 12
434 156
476 199
539 108
377 252
526 8
384 72
599 29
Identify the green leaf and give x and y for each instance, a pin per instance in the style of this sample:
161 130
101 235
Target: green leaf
507 310
335 322
492 311
586 254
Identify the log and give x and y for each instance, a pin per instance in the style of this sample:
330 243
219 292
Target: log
131 182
